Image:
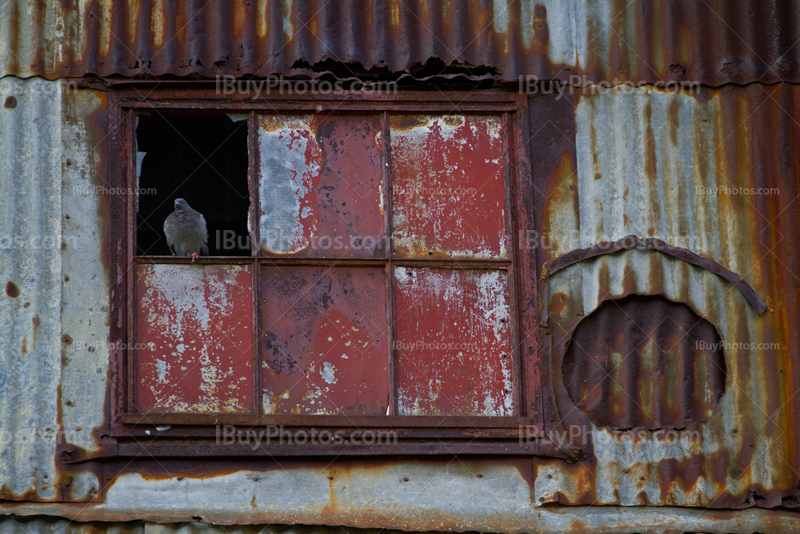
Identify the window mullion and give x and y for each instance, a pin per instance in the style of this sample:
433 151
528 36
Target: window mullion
387 181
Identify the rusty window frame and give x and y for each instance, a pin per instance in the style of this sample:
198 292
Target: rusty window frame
482 431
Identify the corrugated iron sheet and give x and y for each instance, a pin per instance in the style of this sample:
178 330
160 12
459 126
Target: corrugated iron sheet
644 362
598 519
715 173
30 271
714 42
54 317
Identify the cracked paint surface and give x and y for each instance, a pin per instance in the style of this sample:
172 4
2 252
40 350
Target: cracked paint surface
193 339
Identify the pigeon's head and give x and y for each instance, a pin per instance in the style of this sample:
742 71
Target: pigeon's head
180 204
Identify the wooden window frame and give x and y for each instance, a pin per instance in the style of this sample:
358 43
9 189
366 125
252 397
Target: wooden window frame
417 434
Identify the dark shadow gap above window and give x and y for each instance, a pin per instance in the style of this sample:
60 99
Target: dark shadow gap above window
202 158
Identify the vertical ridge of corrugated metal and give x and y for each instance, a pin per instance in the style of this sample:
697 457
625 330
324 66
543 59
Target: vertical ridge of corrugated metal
30 325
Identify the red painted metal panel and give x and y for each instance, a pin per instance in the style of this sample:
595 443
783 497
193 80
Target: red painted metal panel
321 187
194 338
453 340
448 189
324 340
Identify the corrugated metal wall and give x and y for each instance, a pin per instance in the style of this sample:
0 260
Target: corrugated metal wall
602 521
712 42
655 164
54 317
30 270
642 163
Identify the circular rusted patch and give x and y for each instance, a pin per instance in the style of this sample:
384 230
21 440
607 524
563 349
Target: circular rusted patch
11 102
644 362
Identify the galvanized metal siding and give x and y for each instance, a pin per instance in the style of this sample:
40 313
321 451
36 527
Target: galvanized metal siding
711 42
646 163
86 280
10 525
54 334
30 270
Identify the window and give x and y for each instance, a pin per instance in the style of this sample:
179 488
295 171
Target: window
365 268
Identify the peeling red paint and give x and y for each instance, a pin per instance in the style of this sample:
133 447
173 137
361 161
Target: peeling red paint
194 331
453 342
448 186
322 192
324 344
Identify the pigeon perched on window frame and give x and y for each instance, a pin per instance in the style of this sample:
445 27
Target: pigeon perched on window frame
186 231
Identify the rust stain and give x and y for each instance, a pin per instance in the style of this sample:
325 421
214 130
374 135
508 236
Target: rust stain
35 320
12 290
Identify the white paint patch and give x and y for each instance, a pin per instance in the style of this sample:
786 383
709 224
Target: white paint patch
492 302
162 368
327 372
289 164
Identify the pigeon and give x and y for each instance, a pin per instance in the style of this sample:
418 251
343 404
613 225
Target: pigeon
186 231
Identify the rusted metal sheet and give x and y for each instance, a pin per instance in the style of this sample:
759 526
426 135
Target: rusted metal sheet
448 186
321 185
710 42
324 346
631 241
245 502
85 270
714 173
19 525
644 362
194 331
453 342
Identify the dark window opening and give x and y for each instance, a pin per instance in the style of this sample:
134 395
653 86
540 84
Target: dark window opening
203 159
